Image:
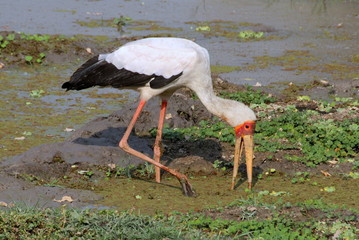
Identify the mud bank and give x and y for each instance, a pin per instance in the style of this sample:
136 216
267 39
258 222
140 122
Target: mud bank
92 146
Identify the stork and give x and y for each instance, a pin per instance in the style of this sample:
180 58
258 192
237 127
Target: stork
158 67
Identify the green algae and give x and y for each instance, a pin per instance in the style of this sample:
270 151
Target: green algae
66 11
27 49
234 30
355 58
95 23
154 26
303 61
216 69
214 191
46 117
137 25
291 60
337 36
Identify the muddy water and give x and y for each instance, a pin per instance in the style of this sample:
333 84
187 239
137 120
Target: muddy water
328 29
45 118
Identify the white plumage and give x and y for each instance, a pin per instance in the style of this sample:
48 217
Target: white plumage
149 56
168 57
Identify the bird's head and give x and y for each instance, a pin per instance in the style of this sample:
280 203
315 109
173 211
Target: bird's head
243 120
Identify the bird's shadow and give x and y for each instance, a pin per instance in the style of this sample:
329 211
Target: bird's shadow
209 150
108 137
243 178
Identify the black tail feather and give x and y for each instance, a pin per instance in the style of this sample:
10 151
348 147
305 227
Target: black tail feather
85 68
83 77
97 72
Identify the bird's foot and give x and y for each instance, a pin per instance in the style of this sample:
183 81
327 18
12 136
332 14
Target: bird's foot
187 189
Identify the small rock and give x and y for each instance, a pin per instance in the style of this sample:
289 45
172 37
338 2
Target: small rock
324 83
111 165
19 138
69 130
333 162
64 199
325 173
168 116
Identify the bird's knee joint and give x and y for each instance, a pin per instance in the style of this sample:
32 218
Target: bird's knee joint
124 145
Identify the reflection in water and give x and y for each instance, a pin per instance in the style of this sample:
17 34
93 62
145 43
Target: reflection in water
317 6
320 7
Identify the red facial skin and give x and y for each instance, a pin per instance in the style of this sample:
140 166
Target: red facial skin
247 128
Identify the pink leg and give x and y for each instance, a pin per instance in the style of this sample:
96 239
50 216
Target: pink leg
157 147
186 186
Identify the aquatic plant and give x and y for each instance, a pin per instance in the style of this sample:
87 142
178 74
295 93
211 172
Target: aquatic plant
249 34
203 28
36 93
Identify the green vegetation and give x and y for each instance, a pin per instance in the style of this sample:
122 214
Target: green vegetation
32 223
121 22
34 49
300 177
13 37
280 222
251 96
237 31
253 219
4 41
318 140
216 69
118 22
35 37
128 171
39 58
222 165
249 34
11 49
203 28
86 173
38 93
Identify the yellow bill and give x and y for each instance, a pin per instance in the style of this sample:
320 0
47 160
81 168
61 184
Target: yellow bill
244 140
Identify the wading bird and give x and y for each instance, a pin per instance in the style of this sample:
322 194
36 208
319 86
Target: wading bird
158 67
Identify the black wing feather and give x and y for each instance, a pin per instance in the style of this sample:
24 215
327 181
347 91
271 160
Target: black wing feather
97 72
161 81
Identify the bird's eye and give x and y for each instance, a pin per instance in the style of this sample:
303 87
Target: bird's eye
246 126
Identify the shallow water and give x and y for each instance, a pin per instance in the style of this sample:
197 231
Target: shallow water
44 119
304 41
328 29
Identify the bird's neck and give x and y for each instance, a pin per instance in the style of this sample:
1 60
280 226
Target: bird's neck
231 111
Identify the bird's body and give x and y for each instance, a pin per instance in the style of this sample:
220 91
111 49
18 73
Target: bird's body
158 67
